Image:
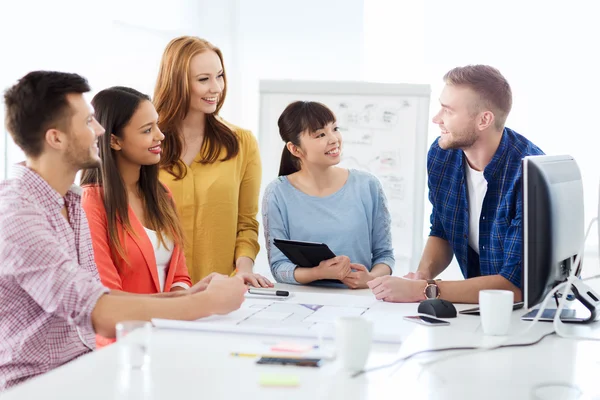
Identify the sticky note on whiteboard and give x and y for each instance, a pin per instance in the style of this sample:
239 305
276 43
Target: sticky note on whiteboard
279 380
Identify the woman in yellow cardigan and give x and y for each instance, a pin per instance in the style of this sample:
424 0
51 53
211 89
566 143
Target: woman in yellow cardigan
212 167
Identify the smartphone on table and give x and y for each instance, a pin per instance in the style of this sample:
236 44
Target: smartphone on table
426 320
475 310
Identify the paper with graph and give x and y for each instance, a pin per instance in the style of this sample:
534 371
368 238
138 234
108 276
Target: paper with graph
303 315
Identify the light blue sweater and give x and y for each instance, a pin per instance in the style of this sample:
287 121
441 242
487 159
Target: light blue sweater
354 221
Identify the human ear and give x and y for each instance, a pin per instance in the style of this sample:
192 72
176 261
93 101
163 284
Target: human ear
55 138
114 142
486 120
294 150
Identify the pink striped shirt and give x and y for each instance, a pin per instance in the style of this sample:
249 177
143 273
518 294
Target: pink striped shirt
49 283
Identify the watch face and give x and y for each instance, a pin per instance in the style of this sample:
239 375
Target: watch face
431 291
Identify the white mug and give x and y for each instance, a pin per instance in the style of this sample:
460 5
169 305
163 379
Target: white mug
353 337
495 308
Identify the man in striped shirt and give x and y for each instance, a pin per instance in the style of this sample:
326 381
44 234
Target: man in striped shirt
51 298
474 179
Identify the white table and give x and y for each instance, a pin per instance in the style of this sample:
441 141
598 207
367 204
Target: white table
198 365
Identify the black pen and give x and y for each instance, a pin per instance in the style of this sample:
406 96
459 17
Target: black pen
268 292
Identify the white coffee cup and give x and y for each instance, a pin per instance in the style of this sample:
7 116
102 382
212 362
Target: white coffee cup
353 337
495 308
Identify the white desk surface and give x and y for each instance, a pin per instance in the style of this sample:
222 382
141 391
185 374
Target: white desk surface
198 365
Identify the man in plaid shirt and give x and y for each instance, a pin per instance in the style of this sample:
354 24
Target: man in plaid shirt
474 179
51 298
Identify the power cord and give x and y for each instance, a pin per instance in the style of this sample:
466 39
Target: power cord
552 294
556 322
408 357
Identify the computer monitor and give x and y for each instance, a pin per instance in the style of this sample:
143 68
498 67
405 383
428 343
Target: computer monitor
553 223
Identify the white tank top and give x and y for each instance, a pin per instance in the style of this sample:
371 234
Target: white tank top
162 255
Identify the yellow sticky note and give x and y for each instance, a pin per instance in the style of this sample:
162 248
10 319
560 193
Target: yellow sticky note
281 380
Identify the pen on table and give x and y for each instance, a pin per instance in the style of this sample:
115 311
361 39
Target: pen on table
244 355
280 293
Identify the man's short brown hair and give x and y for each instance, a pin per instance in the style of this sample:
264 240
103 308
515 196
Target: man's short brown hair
37 103
491 86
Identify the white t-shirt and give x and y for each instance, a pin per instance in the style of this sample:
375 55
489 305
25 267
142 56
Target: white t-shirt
476 189
162 256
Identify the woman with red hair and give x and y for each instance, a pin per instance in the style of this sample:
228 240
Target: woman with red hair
212 167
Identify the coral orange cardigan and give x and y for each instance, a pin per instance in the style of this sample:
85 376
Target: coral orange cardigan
140 275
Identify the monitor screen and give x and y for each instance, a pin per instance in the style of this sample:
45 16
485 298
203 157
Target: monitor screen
553 223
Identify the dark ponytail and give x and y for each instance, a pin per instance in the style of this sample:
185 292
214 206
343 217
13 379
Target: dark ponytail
289 163
297 118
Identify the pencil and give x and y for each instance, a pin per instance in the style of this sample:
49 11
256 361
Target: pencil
245 355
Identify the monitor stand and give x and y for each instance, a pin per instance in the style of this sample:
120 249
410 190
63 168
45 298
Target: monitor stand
586 296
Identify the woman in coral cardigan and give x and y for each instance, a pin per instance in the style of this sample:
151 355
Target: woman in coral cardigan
136 235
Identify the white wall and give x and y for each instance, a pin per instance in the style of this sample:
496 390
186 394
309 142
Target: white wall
121 42
310 40
546 50
117 43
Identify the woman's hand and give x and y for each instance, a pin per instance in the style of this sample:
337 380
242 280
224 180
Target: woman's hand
252 279
334 268
358 278
243 267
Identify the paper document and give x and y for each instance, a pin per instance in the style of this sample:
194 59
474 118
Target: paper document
308 315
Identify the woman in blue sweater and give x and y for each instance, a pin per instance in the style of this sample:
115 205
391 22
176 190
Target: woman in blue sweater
315 200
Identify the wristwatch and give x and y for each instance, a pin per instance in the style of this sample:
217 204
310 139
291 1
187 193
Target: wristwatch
432 290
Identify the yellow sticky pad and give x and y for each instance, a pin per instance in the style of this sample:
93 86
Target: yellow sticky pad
279 380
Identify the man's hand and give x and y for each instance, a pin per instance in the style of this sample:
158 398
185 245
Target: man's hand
417 275
226 294
334 268
358 279
202 284
397 290
252 279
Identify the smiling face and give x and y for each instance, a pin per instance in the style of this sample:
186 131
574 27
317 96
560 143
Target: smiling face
321 148
457 118
82 151
207 82
140 141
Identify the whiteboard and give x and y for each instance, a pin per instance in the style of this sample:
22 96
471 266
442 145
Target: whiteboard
384 131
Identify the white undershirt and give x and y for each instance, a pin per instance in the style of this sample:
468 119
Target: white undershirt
476 189
163 257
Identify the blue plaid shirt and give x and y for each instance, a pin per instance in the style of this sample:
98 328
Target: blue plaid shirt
500 232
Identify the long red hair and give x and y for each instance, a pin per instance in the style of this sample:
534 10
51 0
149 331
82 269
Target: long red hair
172 102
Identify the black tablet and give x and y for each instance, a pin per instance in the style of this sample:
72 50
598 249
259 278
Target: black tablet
305 254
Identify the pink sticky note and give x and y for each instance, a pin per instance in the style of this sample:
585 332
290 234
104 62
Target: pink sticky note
292 347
